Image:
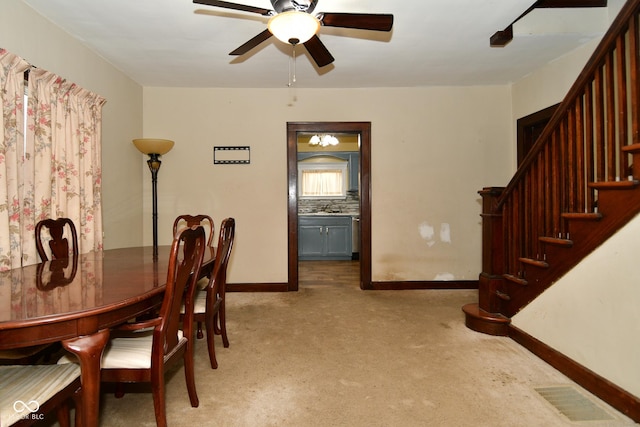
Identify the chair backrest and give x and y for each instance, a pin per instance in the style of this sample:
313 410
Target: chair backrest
185 261
58 244
189 220
223 253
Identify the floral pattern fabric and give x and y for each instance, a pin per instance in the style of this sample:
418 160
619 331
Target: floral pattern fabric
50 166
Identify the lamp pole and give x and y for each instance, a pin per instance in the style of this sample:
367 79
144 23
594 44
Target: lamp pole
154 148
154 166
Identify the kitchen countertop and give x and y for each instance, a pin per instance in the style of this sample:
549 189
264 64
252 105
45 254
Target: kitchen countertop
351 214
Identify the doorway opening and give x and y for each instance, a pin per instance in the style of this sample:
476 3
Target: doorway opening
529 129
296 130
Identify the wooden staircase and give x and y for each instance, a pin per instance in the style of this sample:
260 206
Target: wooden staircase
578 185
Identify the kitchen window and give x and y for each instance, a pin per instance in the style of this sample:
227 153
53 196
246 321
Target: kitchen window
322 180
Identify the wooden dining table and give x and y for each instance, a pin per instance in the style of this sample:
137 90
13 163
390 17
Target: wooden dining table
77 302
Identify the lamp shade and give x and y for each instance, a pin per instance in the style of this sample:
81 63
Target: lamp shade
293 27
153 145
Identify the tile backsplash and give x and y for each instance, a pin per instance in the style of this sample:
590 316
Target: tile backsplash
349 206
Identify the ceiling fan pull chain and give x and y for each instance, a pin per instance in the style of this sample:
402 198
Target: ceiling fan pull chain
289 70
292 65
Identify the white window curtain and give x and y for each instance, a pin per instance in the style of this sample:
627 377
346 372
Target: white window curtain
58 172
322 182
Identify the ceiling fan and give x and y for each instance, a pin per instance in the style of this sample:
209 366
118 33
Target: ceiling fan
291 21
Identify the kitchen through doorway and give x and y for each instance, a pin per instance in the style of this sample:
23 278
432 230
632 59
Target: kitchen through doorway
329 224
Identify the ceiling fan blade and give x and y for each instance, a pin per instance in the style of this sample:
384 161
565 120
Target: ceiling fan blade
252 43
318 51
361 21
235 6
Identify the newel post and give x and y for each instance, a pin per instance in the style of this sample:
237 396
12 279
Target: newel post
484 316
492 250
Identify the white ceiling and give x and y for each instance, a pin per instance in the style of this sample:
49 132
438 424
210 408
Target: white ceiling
433 42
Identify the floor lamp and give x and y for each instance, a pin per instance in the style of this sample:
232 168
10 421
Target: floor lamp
154 148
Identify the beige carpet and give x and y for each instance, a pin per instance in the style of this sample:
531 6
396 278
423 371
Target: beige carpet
333 355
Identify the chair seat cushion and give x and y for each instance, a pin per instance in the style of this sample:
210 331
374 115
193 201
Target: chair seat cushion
26 387
199 302
21 353
203 283
131 352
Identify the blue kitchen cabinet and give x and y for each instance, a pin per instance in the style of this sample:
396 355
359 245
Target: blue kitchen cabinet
324 238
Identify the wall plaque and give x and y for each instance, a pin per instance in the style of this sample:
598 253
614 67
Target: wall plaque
239 155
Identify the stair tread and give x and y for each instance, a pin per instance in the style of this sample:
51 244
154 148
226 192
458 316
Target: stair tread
503 296
567 243
592 216
631 148
614 185
534 262
516 279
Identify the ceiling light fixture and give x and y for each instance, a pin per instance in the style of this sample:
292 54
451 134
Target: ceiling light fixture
323 140
293 27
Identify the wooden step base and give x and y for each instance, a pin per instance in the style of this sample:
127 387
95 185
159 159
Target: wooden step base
487 323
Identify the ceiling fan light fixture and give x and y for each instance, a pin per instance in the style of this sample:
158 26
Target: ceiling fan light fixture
293 27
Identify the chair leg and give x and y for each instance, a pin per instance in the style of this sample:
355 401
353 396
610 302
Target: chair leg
223 325
216 326
200 334
189 376
63 415
209 326
77 401
159 398
119 391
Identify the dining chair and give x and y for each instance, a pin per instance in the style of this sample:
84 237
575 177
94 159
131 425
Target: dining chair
58 244
30 392
210 229
143 351
190 220
209 303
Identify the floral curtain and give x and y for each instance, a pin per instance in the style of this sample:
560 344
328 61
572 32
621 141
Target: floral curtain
59 173
12 70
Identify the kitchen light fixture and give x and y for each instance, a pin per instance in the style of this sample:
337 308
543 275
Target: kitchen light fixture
323 140
154 148
293 27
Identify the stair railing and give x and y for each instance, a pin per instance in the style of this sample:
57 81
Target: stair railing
585 147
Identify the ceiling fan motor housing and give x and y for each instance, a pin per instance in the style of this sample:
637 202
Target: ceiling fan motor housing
291 22
296 5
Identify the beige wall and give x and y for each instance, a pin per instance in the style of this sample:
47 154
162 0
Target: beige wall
25 33
549 84
432 150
